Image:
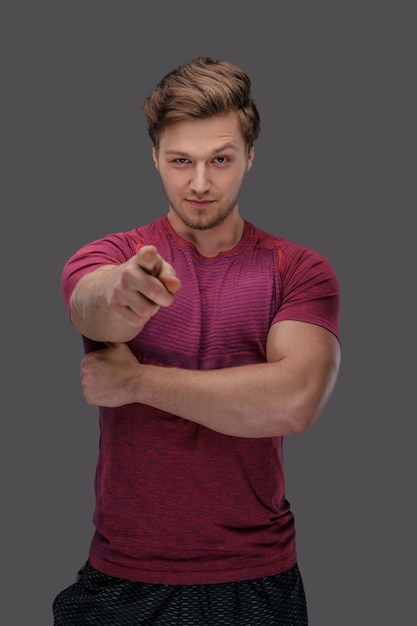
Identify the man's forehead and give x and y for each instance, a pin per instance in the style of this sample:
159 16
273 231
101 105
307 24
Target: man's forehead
214 134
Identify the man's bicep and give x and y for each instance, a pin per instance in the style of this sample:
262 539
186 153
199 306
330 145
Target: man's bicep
307 359
308 346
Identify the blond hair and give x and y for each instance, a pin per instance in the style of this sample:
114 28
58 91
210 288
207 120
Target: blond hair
202 88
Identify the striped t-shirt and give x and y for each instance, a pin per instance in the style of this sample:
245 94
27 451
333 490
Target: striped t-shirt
176 502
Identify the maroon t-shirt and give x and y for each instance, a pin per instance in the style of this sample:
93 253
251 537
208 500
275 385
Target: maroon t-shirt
176 502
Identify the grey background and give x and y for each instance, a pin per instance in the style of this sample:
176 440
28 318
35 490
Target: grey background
335 169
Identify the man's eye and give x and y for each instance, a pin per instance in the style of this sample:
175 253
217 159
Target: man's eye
221 160
181 161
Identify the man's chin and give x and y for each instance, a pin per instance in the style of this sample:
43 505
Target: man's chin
201 223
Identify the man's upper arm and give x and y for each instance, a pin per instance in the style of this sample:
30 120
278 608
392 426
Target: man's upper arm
310 357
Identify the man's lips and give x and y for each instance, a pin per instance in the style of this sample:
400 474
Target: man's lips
200 204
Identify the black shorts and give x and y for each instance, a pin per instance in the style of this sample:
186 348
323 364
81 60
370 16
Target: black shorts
102 600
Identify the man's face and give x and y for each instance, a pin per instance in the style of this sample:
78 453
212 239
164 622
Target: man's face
202 164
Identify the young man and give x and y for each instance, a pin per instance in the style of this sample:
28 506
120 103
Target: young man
207 341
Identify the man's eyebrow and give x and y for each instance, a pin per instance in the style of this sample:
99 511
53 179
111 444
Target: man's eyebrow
226 146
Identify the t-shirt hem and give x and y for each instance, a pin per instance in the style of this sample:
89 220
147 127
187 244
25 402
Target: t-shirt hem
192 577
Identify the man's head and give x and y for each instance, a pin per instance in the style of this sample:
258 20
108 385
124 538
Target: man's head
202 88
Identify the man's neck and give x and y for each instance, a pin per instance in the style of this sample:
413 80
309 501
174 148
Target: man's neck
212 241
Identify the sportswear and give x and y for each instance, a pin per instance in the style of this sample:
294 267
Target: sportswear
96 599
176 502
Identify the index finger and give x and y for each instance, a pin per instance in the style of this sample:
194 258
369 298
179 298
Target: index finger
149 260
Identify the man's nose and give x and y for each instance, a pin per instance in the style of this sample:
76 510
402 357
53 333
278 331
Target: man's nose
200 181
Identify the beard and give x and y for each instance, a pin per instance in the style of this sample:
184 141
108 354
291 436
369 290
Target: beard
205 220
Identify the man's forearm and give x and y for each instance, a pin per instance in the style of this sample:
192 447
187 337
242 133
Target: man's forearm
282 396
91 314
243 401
114 302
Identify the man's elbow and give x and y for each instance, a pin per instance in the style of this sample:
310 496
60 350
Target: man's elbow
301 421
306 411
296 419
307 405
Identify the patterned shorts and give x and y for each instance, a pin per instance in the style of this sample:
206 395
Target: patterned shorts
102 600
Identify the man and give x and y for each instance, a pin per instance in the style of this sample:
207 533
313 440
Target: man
207 341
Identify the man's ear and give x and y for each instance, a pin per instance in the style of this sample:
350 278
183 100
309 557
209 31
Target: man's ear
155 158
251 156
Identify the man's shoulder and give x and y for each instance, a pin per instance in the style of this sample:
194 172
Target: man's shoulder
289 252
271 240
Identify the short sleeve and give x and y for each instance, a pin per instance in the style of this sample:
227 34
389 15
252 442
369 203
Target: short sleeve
310 288
113 249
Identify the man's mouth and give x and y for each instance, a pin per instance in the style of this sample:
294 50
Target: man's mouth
200 204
